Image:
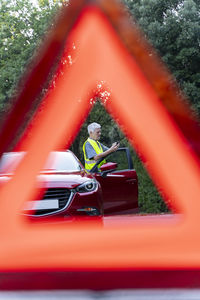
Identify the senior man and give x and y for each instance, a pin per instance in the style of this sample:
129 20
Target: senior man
93 150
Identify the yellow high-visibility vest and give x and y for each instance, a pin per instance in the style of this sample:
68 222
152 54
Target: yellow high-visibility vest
89 163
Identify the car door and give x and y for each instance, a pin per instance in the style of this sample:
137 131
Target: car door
120 186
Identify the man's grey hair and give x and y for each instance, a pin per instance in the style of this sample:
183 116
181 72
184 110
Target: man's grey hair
91 127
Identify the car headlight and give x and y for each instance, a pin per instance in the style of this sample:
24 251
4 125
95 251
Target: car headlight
87 186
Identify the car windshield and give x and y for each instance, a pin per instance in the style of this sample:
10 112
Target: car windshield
56 162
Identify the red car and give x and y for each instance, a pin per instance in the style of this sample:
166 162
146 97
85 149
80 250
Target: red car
65 189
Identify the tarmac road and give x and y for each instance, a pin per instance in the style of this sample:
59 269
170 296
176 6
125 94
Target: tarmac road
162 294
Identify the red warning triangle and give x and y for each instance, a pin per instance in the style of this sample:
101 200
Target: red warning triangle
155 129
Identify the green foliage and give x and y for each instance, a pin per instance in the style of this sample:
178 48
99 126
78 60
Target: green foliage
22 26
150 201
173 27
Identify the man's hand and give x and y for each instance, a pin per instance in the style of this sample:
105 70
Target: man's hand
114 147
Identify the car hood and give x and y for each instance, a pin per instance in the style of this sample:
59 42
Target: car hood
58 180
69 180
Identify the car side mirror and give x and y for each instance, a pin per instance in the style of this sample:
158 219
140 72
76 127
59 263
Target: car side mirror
108 168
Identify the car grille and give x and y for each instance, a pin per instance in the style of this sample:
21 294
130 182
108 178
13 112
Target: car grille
63 196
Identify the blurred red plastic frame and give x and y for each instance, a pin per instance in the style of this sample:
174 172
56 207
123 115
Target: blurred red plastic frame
152 123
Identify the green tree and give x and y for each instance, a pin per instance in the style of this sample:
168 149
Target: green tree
22 27
173 27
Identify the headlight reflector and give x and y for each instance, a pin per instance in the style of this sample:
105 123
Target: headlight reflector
88 186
